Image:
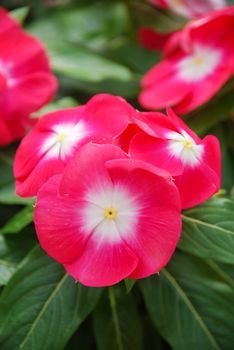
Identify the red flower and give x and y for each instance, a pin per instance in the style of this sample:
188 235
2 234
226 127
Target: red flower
190 8
108 217
197 64
169 144
152 39
26 81
55 138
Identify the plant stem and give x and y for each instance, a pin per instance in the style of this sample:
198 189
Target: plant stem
112 299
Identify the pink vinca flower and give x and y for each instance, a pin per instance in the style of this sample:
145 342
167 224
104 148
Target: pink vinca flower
190 8
108 217
26 81
55 138
168 143
197 63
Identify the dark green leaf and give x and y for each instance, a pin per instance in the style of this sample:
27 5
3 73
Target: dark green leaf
129 283
20 14
208 230
116 323
8 196
191 304
23 218
42 306
12 251
209 115
95 26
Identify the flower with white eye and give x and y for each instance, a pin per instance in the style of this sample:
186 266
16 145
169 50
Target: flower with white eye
167 142
57 136
182 146
200 64
108 217
195 66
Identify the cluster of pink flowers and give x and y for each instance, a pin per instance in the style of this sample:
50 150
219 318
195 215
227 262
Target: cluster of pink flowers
110 184
110 180
26 81
198 61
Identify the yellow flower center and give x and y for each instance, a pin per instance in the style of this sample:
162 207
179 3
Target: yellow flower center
61 137
198 60
110 213
188 144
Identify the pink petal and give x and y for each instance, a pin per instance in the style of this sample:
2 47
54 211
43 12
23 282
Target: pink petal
210 86
29 153
109 115
155 248
180 125
29 93
123 141
159 222
156 152
6 21
6 135
155 123
197 184
103 264
25 52
162 87
79 174
212 154
57 223
29 186
151 39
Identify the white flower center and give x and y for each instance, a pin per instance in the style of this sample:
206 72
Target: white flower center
184 147
200 64
111 213
63 140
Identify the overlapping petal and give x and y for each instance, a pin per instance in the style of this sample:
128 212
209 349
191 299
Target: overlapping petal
26 82
55 138
111 229
194 58
167 142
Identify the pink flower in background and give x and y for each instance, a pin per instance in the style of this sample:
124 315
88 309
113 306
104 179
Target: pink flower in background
152 39
55 138
26 80
197 64
168 143
108 217
190 8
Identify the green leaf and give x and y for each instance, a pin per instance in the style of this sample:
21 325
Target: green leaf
95 26
22 219
83 339
217 110
62 103
12 251
208 230
8 196
129 284
80 63
125 89
84 34
116 323
42 306
191 305
20 14
5 170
